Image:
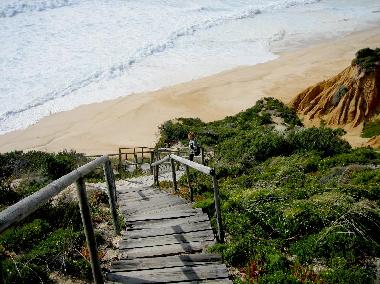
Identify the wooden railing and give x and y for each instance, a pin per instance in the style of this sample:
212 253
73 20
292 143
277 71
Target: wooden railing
136 156
201 168
28 205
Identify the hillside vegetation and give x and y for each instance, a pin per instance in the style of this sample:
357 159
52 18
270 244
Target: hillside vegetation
299 205
51 240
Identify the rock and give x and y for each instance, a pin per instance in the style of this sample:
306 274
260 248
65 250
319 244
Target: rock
347 99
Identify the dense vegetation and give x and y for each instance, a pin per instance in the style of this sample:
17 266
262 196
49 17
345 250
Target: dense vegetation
371 128
43 243
367 59
299 205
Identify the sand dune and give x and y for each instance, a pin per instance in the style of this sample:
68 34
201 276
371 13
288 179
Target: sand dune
133 120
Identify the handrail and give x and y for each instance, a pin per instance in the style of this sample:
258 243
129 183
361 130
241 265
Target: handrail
28 205
201 168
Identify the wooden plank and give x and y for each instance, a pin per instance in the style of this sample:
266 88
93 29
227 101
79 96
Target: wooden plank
176 229
149 203
199 236
194 165
168 215
157 212
151 206
168 222
213 281
164 250
164 262
140 196
157 209
125 190
169 275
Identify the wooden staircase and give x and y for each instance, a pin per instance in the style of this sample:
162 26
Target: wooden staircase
165 241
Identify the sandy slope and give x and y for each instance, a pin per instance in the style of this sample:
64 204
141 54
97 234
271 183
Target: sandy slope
133 120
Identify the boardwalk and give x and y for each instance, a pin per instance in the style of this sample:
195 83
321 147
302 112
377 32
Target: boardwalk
165 240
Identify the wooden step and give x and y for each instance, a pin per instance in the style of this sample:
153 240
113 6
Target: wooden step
152 224
165 250
171 275
163 215
164 262
176 229
165 241
207 235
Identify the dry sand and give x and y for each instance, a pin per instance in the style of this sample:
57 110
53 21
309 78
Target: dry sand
133 120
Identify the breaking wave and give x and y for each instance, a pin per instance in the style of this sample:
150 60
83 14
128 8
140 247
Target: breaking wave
14 8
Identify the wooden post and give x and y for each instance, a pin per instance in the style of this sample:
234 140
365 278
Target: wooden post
174 175
202 155
217 209
142 155
112 196
178 152
120 167
136 161
156 169
89 231
189 184
151 161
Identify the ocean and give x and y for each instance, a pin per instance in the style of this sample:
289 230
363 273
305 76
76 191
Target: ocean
56 55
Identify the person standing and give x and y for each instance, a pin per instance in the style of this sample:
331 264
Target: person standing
192 145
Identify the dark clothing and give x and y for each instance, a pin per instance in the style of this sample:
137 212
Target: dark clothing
192 147
191 157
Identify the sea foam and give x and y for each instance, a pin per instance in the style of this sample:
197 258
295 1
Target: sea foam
58 54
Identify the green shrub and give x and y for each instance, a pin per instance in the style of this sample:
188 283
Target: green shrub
367 59
371 128
60 164
326 141
22 238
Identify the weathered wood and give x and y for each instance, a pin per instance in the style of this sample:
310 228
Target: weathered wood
199 236
141 206
138 196
165 250
174 177
202 155
28 205
89 231
156 209
174 274
176 229
162 216
217 209
164 262
146 199
191 192
199 167
112 196
120 166
123 189
168 222
159 162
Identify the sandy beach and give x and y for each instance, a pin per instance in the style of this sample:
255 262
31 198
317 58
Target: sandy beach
133 120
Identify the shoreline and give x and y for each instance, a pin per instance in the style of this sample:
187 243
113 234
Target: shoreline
133 120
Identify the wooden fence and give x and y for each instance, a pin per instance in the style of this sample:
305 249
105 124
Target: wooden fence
28 205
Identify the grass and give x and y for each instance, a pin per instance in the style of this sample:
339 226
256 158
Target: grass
371 129
42 243
299 206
